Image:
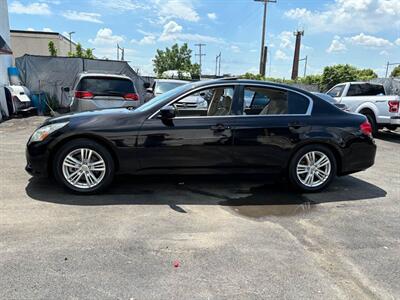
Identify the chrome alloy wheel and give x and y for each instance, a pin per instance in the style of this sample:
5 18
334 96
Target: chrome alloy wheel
84 168
313 169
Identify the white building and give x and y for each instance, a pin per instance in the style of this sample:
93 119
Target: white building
5 56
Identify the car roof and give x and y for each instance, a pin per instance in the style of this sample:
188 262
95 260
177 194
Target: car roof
98 74
172 80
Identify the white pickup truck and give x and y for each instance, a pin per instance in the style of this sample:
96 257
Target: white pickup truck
370 100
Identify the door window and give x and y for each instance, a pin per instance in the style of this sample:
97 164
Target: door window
355 90
270 101
209 102
336 91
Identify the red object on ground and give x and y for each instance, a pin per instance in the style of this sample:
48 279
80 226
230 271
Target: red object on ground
176 264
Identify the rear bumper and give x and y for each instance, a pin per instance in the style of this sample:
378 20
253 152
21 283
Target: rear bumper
395 120
359 156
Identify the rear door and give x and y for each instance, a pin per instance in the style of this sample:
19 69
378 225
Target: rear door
270 124
109 92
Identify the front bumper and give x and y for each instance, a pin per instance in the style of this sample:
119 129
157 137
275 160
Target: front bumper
36 160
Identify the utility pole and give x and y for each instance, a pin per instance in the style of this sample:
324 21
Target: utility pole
200 54
305 59
295 70
262 55
218 64
122 52
70 40
387 67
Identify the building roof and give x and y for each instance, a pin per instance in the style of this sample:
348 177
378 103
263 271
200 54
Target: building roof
35 32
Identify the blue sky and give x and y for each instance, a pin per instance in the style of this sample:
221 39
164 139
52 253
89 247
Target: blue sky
365 33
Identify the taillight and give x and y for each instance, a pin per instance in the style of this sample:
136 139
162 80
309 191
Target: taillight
366 128
131 96
394 106
84 95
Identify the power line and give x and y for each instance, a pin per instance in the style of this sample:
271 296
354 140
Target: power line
200 54
262 54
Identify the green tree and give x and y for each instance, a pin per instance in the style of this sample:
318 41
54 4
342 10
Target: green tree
395 72
89 53
175 58
342 73
52 49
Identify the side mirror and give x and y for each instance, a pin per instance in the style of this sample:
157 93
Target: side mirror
167 112
149 90
66 89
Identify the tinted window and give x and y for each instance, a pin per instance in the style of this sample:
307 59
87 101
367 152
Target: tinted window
355 90
298 104
106 86
372 90
162 87
269 101
336 91
208 102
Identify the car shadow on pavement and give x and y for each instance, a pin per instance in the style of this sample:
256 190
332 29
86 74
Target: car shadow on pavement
389 136
246 194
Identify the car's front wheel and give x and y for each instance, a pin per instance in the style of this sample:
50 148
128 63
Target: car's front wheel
84 166
312 168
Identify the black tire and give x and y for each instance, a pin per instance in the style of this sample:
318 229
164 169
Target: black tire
372 121
89 144
292 171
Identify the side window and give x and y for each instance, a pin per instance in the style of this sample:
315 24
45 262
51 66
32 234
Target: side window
209 102
336 91
298 104
265 101
355 90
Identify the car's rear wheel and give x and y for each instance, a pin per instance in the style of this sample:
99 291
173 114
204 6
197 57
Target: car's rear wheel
312 168
84 166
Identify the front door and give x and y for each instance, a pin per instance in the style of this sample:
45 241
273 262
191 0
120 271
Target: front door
199 137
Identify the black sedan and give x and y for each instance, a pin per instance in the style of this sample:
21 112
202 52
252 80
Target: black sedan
246 127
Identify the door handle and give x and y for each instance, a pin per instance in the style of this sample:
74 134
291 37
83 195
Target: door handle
219 128
297 125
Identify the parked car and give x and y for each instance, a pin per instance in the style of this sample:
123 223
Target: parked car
92 91
332 101
370 100
289 135
161 86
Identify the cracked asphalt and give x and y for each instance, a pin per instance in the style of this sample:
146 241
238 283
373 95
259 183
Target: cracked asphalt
198 237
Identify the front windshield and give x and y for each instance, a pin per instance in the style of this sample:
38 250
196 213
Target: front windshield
155 101
163 87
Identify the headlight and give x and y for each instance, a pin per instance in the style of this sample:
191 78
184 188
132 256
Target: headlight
43 132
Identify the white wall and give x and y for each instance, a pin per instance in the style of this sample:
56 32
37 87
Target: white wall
5 60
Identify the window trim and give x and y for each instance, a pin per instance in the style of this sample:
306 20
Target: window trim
236 85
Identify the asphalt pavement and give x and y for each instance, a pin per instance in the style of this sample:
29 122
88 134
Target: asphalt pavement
198 237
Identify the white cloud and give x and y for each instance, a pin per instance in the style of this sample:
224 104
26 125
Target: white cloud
384 53
146 40
286 39
82 16
47 29
397 42
179 9
369 41
105 36
30 29
336 46
212 16
35 8
349 16
280 55
390 7
174 32
235 48
118 5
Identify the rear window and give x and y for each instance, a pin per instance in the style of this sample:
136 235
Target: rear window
106 86
163 87
365 90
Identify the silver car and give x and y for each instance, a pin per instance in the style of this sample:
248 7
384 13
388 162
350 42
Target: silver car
93 91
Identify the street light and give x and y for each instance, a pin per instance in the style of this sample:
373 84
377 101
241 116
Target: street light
70 40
